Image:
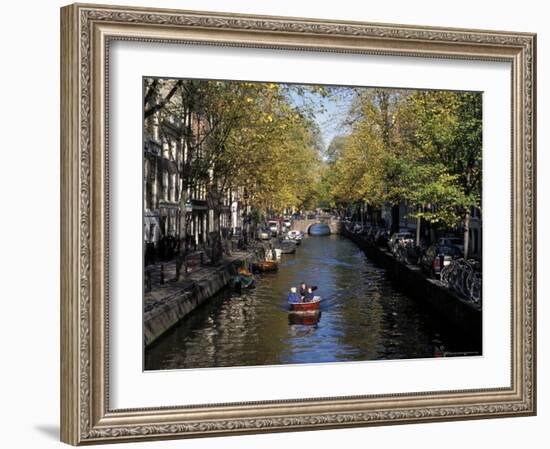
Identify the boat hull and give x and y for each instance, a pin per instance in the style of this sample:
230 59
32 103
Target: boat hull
268 265
243 280
304 319
305 307
288 247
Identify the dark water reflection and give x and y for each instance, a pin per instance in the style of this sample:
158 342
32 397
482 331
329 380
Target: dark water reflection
363 317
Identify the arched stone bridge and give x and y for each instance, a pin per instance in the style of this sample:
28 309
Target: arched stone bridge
304 225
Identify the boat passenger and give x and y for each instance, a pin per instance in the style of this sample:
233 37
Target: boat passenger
309 295
293 296
304 289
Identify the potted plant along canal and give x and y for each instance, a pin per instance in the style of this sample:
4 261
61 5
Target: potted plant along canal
300 186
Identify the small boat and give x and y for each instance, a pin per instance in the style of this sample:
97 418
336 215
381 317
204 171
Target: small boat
244 271
266 265
242 281
306 307
288 247
295 236
304 319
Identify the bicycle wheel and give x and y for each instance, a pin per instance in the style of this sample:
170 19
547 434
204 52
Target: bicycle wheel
444 275
475 288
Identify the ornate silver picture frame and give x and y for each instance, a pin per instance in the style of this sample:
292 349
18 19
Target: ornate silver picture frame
87 31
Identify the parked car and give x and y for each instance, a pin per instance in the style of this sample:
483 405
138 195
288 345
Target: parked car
287 223
431 261
273 227
264 234
399 237
452 241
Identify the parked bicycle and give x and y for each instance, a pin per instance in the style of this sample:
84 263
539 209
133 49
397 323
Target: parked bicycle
407 252
464 277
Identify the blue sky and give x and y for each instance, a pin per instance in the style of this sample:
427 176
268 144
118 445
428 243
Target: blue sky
329 114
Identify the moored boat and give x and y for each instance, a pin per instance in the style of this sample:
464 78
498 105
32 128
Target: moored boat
295 236
288 247
244 271
243 281
311 306
266 265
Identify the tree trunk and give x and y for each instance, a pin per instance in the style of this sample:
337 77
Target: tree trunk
395 218
182 235
433 235
466 235
214 205
418 223
182 231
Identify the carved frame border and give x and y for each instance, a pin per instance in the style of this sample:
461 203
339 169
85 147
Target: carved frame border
86 32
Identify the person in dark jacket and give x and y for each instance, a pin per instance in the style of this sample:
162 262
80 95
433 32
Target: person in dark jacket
304 289
309 295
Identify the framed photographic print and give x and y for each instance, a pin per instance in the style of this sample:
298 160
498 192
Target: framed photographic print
279 224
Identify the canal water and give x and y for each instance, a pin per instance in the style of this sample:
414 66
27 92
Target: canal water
364 316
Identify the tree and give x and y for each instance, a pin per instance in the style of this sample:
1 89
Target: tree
422 147
368 161
238 135
447 168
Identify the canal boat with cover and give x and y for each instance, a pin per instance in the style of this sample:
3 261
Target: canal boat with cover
306 307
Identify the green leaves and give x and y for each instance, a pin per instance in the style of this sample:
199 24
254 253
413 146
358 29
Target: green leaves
241 135
422 147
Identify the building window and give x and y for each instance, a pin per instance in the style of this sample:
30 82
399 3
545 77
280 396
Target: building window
173 150
164 187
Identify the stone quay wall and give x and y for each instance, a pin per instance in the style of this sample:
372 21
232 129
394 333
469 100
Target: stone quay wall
165 307
463 315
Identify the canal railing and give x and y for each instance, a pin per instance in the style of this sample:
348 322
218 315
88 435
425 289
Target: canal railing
159 273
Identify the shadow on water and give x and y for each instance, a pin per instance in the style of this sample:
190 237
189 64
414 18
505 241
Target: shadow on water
363 316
